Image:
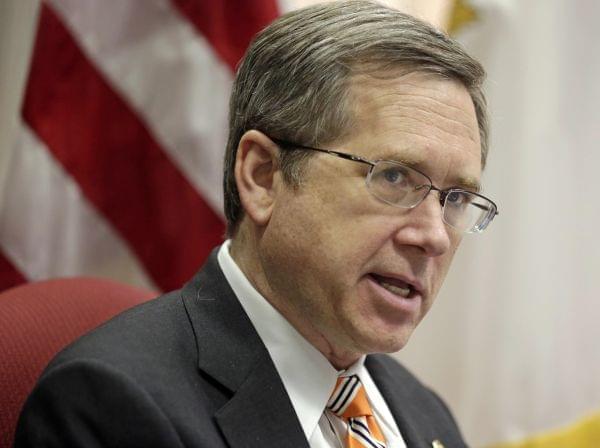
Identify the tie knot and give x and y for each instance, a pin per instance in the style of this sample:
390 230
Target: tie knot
349 399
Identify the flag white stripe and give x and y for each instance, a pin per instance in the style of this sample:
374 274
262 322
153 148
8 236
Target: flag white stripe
49 229
186 112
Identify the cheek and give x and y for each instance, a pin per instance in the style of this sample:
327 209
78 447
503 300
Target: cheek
441 267
329 233
297 239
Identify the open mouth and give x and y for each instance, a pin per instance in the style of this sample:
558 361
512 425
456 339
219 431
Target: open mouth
394 285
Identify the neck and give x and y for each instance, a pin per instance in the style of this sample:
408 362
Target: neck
246 254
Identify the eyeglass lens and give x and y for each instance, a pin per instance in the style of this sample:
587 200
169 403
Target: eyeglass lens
403 186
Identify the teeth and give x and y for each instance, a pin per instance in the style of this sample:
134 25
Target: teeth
399 291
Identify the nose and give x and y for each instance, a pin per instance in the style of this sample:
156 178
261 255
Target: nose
424 227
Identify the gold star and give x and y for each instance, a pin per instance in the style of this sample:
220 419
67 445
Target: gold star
463 13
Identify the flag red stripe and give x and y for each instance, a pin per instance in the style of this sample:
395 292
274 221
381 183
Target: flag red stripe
9 275
118 165
229 26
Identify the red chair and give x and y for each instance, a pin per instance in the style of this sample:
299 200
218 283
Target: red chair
39 319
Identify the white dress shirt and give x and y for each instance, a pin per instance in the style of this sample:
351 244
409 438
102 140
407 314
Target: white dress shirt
308 377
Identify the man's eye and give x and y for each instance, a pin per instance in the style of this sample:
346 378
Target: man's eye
457 198
394 175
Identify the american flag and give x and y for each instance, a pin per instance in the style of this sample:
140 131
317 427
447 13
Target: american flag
117 167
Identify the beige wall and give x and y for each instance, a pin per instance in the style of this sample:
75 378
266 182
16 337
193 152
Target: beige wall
434 11
17 24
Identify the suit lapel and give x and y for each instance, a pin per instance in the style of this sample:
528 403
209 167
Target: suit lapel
259 413
414 425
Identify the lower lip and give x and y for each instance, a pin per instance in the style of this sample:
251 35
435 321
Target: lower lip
410 304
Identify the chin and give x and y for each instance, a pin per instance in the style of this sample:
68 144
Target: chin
388 343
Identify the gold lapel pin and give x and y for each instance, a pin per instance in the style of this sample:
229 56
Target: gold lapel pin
437 444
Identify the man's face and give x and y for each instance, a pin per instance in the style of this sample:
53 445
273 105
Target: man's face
353 274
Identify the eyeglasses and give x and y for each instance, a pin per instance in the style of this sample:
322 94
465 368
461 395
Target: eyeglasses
403 186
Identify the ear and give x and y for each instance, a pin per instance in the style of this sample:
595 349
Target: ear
256 166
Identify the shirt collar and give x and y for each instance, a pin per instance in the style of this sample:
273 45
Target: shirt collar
307 375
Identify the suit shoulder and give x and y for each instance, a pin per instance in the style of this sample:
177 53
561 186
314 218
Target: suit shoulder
138 335
75 404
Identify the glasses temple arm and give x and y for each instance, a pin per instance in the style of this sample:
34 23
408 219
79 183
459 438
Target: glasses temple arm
343 155
484 207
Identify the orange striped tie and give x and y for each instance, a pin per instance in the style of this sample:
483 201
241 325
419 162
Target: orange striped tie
349 402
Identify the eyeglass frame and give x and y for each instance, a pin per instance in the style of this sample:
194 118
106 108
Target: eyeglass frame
443 194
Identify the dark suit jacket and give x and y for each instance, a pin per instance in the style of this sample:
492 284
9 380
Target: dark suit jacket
188 369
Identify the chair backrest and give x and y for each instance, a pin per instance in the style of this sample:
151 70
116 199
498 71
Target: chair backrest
39 319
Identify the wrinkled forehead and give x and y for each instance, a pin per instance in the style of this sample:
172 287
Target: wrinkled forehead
417 118
413 94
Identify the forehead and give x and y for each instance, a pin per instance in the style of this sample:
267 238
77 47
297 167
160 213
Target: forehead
420 119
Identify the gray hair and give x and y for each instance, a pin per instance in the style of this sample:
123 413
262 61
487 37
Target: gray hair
293 83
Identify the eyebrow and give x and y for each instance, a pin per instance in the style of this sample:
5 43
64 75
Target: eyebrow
468 183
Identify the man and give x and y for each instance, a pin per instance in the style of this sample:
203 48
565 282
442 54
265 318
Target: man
357 139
